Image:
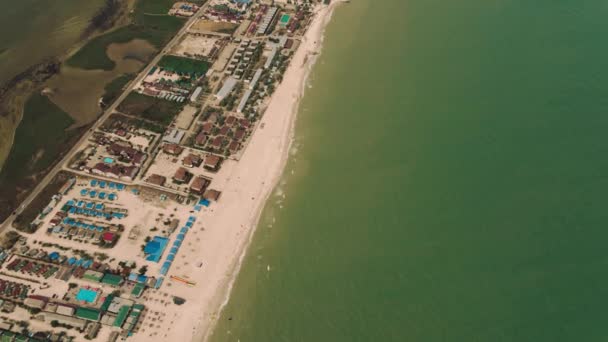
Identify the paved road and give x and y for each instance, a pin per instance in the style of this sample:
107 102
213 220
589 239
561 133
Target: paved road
47 179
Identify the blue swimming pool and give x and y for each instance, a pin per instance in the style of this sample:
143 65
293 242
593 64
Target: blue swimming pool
86 295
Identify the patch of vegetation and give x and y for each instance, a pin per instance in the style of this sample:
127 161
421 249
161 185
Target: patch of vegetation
41 139
105 16
23 220
116 121
150 22
115 88
183 65
150 108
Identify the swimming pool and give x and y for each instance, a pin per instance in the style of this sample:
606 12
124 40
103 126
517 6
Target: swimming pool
108 160
86 295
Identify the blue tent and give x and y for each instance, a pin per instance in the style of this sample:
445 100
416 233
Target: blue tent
87 263
90 205
100 229
180 237
198 208
120 187
192 218
84 192
170 257
70 202
189 224
93 182
102 195
112 185
204 202
78 262
177 243
174 250
71 261
80 203
53 255
152 247
112 197
93 193
184 230
102 184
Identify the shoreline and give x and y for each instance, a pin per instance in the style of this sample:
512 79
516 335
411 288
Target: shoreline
309 61
228 227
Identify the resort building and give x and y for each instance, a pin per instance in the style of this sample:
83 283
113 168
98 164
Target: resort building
199 185
156 179
212 162
192 160
173 149
181 176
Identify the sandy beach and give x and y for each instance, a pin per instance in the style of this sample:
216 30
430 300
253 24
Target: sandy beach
224 230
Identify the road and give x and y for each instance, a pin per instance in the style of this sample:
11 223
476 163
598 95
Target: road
59 166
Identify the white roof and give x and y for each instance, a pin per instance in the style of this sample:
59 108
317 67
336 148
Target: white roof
229 84
174 136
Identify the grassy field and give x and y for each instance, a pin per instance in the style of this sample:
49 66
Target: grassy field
150 22
116 121
183 65
150 108
22 222
40 139
115 88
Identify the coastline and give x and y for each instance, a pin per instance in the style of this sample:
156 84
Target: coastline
229 226
316 33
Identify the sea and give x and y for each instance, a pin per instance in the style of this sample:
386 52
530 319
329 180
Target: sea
448 181
32 30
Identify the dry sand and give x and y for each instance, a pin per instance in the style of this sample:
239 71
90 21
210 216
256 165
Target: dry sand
223 231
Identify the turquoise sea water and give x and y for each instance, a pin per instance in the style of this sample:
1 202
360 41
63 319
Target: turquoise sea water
450 184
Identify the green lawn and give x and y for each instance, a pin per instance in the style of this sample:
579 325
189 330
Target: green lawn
150 108
183 65
40 139
150 23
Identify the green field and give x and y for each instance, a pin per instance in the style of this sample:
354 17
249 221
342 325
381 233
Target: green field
40 139
115 88
150 108
183 65
149 23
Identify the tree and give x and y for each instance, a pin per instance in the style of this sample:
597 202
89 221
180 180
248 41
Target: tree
143 270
